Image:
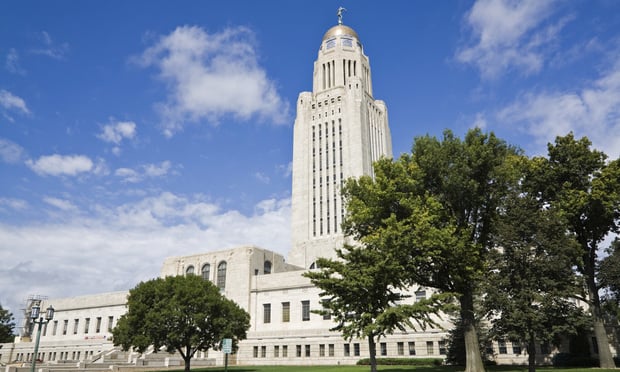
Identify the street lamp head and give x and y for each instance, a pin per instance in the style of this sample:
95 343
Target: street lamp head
49 313
34 311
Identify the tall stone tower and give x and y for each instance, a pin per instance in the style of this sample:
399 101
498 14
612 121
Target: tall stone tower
340 130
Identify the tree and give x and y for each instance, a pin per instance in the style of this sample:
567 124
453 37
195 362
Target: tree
179 313
609 271
532 280
363 294
434 210
7 326
586 187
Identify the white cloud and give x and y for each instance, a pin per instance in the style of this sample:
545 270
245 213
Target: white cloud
509 34
10 101
262 177
62 204
13 204
211 76
145 171
115 132
12 63
10 152
593 111
58 165
132 239
51 48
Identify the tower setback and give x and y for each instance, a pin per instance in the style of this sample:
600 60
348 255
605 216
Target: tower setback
339 131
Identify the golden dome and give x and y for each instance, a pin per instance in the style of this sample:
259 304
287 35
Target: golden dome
340 30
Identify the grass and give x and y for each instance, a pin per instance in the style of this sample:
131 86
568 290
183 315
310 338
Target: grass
389 369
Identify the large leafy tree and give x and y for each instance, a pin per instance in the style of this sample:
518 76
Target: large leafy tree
529 289
179 313
609 280
364 294
434 210
7 325
582 183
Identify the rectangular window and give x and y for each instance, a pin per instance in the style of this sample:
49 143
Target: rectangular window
285 351
516 347
98 325
298 351
266 313
55 328
442 347
430 350
322 350
330 350
307 350
420 295
501 346
411 346
45 329
86 325
76 324
263 351
383 348
286 312
276 351
327 315
110 323
356 349
400 348
347 350
255 352
305 311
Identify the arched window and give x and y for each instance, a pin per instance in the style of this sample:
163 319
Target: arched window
221 275
189 270
267 267
206 271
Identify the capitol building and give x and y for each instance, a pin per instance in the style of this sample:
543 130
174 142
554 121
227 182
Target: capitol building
340 130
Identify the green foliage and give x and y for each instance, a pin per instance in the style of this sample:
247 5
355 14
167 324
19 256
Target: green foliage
434 211
532 280
179 313
609 271
585 187
456 343
363 293
7 326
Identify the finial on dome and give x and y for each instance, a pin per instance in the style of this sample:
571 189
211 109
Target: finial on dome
340 11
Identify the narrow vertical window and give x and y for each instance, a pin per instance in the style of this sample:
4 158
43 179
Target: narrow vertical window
189 270
206 271
110 323
286 312
305 310
86 325
221 275
430 350
267 267
98 325
266 313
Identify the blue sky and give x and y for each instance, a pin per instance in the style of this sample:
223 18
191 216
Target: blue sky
131 131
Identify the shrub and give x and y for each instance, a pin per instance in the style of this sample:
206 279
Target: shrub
571 360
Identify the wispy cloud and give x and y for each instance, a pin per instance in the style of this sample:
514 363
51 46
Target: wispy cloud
10 152
263 178
61 165
508 35
593 111
13 204
145 171
9 101
50 48
61 204
158 226
210 76
12 63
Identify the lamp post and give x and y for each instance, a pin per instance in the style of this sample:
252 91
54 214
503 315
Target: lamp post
34 314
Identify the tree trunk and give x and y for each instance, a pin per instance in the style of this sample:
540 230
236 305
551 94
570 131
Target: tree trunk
187 361
605 358
372 350
473 359
531 354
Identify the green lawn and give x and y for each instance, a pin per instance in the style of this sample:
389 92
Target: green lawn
389 369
